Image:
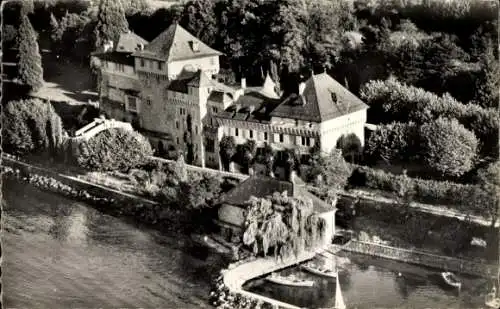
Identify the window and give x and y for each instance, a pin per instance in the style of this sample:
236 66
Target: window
120 67
178 141
132 103
250 132
308 141
143 64
265 136
236 133
281 138
177 127
148 100
214 109
195 129
303 141
160 65
210 145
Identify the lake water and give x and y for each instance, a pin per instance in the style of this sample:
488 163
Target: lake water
368 282
58 253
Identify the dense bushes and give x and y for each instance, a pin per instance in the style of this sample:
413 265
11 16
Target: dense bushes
447 147
467 198
173 185
392 142
328 172
443 146
391 100
113 149
31 126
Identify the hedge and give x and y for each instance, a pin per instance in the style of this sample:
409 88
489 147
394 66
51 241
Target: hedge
463 197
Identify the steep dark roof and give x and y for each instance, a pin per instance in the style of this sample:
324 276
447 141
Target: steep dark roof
129 42
176 43
251 106
262 186
190 79
219 96
319 94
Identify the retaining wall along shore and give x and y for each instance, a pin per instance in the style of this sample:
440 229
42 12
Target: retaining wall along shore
228 287
106 199
470 267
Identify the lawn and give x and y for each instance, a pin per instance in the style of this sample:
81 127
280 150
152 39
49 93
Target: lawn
66 81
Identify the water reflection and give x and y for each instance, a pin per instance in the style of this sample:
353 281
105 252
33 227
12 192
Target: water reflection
62 254
375 283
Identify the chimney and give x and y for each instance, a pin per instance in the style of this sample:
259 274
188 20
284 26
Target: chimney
243 83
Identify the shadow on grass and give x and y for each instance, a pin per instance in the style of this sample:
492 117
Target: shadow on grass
75 116
70 76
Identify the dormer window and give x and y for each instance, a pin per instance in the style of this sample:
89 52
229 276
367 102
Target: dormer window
195 46
334 97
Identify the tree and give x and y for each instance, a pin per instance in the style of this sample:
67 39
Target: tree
114 149
489 182
200 192
391 100
289 27
111 22
288 225
71 29
448 147
267 158
329 172
292 157
227 148
30 62
199 19
489 79
350 145
31 126
325 25
392 142
249 152
27 7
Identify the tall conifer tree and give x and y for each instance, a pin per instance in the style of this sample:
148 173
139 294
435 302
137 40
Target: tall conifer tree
111 22
30 62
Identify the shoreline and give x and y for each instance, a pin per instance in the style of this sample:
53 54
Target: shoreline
134 209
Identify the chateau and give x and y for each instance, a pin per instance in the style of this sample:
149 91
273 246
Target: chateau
167 89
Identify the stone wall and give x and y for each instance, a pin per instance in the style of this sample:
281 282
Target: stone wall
470 267
229 285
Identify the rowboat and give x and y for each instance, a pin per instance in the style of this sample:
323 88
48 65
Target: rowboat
290 281
325 272
451 280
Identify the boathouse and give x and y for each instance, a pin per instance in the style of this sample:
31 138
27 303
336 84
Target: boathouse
232 205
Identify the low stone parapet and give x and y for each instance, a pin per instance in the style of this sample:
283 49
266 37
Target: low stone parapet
470 267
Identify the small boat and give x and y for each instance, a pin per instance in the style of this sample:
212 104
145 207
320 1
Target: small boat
325 272
451 280
289 280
